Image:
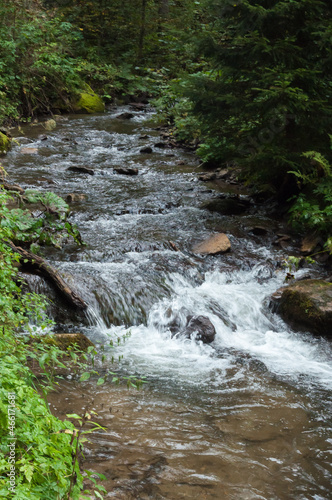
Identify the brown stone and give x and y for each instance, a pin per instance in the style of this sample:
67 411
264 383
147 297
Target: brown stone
67 340
218 243
210 176
75 197
306 305
29 151
309 244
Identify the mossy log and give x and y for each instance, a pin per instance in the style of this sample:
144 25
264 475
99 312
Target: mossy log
35 262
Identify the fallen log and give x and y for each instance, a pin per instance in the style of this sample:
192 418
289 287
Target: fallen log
36 262
12 187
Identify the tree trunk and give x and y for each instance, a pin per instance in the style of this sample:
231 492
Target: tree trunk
163 8
142 31
35 262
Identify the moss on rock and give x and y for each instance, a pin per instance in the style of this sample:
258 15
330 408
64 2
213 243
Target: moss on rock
5 143
89 102
67 340
306 305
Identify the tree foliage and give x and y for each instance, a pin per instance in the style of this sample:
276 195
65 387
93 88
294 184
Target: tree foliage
270 93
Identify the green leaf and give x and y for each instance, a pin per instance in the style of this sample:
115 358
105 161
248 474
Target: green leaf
85 376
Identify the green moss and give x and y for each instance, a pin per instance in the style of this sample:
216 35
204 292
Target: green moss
307 305
5 143
65 341
88 101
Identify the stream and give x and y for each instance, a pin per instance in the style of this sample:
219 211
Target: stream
246 417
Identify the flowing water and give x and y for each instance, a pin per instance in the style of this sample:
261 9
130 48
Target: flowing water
246 417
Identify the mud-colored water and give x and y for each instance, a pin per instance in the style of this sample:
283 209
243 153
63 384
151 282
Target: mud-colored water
246 417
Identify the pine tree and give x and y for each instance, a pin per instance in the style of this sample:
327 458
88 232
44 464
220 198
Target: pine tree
270 98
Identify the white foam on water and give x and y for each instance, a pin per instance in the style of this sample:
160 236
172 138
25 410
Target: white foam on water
227 300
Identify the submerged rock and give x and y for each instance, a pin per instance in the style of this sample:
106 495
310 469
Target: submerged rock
306 306
226 206
5 143
219 243
29 151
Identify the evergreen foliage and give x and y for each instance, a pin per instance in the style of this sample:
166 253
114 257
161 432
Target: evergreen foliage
270 93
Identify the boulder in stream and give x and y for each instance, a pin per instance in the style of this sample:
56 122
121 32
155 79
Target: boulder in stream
125 116
146 149
218 243
126 170
194 327
200 328
82 170
306 306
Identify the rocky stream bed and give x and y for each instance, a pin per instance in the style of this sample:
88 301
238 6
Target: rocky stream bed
242 413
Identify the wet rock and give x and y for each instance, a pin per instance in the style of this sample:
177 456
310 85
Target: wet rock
160 145
142 137
49 125
126 171
147 150
75 197
200 328
82 170
43 138
222 174
310 243
283 240
69 139
125 116
138 106
68 340
259 230
219 243
193 327
227 206
210 176
306 306
29 151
